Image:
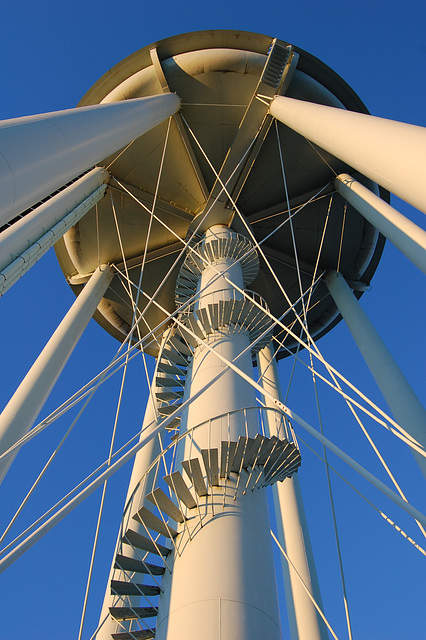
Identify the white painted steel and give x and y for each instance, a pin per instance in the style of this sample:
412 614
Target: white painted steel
143 460
400 397
223 582
22 409
388 152
408 237
15 243
23 233
292 529
41 153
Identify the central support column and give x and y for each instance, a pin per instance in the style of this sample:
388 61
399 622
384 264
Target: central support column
222 585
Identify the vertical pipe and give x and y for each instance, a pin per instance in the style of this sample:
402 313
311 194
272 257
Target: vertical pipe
409 238
400 397
388 152
292 528
23 408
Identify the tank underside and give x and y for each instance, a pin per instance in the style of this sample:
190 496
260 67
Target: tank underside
221 77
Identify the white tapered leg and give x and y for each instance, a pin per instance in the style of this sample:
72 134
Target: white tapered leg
23 408
388 152
292 530
408 237
39 154
400 397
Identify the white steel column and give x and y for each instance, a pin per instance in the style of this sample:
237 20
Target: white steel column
292 528
28 239
388 152
39 154
400 397
222 585
408 237
23 408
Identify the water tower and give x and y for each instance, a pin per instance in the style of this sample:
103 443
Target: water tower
218 200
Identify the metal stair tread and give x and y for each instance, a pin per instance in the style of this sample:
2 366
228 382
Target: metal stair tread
179 486
238 456
163 502
147 518
211 465
125 563
193 471
132 613
122 588
168 409
139 634
175 356
141 542
168 381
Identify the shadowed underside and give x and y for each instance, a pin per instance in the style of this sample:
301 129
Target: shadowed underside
223 135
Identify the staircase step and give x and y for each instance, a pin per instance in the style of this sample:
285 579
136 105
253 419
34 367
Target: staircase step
167 367
137 566
140 542
165 396
266 449
194 473
248 453
214 315
194 326
179 486
174 424
211 464
227 453
132 613
193 342
140 634
121 588
204 318
163 502
168 409
255 449
239 453
168 381
180 346
175 356
151 521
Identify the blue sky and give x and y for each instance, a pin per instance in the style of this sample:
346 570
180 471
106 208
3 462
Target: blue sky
50 55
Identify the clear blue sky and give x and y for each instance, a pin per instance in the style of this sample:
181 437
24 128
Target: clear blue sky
50 55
